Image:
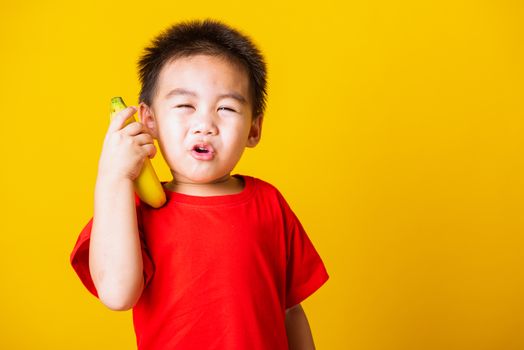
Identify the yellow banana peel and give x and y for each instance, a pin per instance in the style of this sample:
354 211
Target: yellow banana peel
147 186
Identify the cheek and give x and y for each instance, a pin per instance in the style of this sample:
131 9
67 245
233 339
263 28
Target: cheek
239 141
238 134
171 137
170 128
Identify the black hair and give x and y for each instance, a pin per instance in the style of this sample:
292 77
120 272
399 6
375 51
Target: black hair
209 37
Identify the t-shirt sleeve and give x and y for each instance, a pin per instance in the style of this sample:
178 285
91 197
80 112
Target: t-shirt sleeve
305 270
80 258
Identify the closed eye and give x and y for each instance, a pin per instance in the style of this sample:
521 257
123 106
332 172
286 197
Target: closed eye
227 109
184 106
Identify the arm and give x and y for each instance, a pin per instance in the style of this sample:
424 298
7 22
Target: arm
298 331
115 259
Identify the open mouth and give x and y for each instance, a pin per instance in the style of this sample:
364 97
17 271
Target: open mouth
203 151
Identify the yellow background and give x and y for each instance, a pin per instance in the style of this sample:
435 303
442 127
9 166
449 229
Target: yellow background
393 128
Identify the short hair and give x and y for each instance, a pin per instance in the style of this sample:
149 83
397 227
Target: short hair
209 37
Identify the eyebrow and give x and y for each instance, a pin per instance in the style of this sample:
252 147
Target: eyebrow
180 91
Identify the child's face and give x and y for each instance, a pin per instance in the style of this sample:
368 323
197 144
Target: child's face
202 118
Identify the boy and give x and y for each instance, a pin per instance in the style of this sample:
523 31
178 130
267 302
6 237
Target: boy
225 263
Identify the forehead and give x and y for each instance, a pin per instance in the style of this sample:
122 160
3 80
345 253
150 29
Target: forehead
205 74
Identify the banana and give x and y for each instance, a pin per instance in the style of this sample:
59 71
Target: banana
147 186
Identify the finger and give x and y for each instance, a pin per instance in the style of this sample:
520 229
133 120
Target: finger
134 128
120 118
149 150
143 139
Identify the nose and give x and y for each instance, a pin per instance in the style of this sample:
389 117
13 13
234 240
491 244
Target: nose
204 124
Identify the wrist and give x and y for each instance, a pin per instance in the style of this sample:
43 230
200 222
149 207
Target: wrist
105 183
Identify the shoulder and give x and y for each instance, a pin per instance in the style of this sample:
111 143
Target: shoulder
270 198
263 187
268 193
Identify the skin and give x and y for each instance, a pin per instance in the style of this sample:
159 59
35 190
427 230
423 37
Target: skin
297 328
193 104
198 113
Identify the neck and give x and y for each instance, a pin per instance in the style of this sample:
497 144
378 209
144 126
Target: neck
223 186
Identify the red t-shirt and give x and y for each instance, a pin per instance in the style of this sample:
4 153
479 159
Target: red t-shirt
220 271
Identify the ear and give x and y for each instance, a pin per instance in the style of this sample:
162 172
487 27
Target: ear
255 132
147 117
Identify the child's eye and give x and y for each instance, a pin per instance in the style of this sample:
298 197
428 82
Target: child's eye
227 109
183 106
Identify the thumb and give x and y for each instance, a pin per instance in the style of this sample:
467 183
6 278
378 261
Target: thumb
119 120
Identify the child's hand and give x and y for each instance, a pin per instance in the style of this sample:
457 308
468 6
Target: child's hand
125 148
